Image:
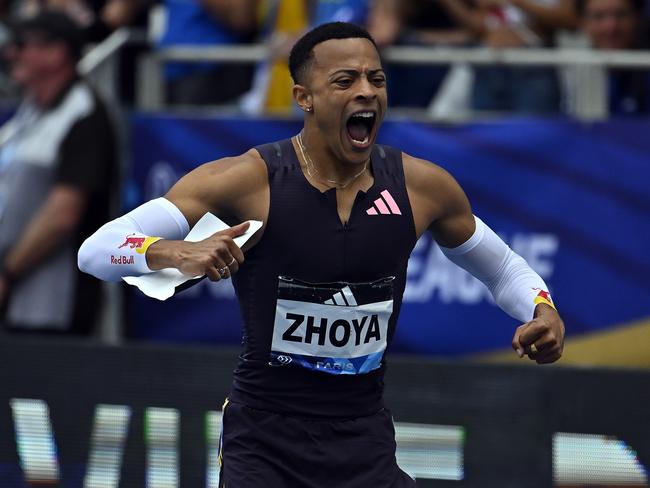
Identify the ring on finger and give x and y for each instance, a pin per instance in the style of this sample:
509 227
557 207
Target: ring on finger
533 348
231 262
223 271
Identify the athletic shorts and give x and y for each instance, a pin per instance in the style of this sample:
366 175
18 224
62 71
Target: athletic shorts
261 449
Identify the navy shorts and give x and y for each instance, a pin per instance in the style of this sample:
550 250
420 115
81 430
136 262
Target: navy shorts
263 449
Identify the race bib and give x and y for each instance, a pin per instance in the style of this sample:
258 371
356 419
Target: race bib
336 328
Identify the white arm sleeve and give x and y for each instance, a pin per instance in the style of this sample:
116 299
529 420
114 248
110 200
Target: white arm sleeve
516 288
119 247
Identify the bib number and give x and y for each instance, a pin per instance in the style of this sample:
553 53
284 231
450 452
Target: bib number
337 328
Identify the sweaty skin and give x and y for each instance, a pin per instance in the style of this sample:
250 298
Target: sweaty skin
345 77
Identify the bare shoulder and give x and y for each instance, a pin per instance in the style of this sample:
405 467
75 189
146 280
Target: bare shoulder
423 175
225 187
434 193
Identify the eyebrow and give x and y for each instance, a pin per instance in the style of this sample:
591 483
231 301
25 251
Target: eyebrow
354 72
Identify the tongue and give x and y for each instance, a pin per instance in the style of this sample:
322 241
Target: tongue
358 130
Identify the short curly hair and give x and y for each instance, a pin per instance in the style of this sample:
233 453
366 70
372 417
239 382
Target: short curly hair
302 53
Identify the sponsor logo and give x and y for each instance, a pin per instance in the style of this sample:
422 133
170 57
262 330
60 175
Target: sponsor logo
284 359
543 297
133 242
338 333
122 259
343 298
384 205
333 364
140 244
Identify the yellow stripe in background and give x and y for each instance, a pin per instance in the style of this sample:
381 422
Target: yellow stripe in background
625 345
291 21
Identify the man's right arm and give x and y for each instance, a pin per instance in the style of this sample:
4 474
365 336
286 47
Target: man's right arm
150 237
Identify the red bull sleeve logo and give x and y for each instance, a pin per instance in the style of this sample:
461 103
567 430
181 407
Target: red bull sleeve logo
543 297
133 242
139 243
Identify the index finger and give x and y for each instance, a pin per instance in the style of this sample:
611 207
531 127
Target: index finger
235 250
236 230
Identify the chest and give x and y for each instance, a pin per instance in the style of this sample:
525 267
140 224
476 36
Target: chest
325 237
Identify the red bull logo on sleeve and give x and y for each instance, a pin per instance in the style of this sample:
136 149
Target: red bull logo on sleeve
133 242
122 259
140 244
543 297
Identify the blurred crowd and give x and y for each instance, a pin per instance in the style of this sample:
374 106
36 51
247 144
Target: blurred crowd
600 24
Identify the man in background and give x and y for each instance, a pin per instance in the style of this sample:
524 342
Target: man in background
57 165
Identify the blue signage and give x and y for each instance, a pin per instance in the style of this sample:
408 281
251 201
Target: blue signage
571 198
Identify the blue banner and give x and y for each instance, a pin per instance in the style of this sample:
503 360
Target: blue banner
571 198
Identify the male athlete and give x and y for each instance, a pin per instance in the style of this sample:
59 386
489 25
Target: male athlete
322 284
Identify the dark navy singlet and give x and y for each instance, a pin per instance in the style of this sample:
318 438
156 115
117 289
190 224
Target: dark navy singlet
320 298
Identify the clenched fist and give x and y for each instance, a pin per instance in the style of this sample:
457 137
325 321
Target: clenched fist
542 339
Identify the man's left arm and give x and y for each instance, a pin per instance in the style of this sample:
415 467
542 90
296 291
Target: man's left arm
441 207
517 289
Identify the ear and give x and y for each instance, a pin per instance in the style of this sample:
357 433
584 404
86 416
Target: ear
303 97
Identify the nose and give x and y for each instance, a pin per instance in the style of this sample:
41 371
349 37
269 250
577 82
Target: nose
366 91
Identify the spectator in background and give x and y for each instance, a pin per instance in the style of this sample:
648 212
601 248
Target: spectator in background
57 165
613 25
514 24
199 23
414 23
208 22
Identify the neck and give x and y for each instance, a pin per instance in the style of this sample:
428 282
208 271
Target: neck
316 173
45 92
324 161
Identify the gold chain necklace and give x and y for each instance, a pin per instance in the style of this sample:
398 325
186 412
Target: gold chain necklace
309 163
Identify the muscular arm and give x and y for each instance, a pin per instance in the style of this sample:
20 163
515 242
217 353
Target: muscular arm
234 189
440 205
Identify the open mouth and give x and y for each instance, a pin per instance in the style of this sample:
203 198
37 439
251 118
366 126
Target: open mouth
359 126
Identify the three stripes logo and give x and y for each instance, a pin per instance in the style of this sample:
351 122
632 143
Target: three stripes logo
344 298
384 205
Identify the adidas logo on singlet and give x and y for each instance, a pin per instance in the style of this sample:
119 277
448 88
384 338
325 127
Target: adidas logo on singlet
384 205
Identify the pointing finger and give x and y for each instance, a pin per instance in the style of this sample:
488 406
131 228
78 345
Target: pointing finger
236 230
